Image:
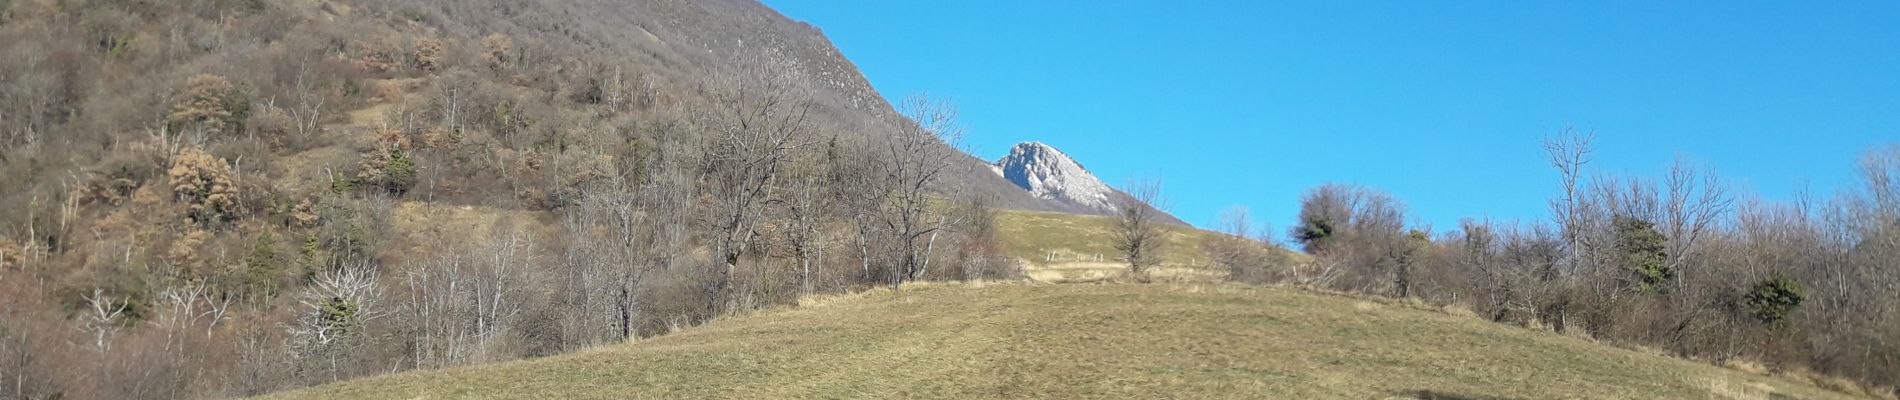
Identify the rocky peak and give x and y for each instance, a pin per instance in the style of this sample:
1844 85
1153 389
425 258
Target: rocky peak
1051 175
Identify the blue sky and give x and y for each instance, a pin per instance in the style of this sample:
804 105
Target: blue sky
1440 103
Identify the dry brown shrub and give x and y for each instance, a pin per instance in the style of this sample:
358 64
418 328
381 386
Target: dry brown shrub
149 196
387 167
390 137
11 254
495 49
184 248
428 54
104 190
304 214
206 185
438 138
273 125
530 162
377 57
204 103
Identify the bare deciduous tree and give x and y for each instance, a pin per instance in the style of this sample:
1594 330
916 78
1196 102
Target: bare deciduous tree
334 311
1694 204
762 120
915 161
102 318
1139 236
806 210
1569 152
1244 251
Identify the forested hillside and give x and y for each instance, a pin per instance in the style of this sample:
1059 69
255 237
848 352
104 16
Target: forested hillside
227 197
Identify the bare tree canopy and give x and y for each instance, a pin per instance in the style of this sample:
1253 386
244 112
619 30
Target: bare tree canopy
1139 234
916 159
763 119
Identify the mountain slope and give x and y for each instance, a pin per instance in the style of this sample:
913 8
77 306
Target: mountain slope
1090 341
685 40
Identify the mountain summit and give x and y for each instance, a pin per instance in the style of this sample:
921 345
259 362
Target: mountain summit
1049 174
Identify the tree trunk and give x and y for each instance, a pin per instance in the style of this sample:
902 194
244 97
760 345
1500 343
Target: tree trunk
716 302
924 264
804 272
625 305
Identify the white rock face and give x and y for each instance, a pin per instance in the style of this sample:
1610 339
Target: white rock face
1048 174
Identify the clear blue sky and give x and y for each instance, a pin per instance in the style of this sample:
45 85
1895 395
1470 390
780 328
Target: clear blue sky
1440 103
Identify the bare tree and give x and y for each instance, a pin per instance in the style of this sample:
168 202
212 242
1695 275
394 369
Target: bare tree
979 254
608 254
858 190
1569 152
762 120
102 318
806 209
1243 251
1139 236
464 301
1695 203
915 160
334 311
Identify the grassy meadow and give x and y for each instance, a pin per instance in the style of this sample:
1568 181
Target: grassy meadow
1090 341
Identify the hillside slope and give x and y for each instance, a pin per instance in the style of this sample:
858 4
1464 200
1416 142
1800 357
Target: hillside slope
681 43
1090 341
1062 247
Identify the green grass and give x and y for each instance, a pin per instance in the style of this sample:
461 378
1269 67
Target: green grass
1090 341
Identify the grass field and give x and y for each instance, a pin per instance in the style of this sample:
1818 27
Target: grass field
1036 237
1090 341
1057 247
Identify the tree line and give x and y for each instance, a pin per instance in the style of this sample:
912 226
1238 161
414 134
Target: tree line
1679 263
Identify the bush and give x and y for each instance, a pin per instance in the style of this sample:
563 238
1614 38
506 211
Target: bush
390 169
261 270
274 126
428 55
212 103
1771 300
495 51
1642 249
206 185
1312 232
11 254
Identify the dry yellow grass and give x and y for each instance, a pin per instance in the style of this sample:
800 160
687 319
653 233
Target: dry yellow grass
1200 340
1057 247
1045 238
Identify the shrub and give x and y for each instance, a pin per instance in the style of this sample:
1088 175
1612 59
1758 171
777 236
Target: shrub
206 185
1642 250
378 57
261 270
428 55
304 214
11 255
495 49
273 125
1312 232
212 103
1771 300
390 169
